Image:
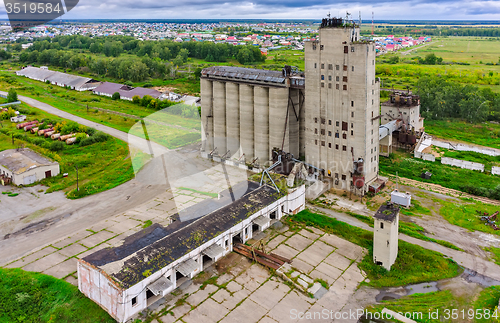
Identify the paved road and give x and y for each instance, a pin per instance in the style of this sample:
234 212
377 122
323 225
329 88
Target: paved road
480 265
142 144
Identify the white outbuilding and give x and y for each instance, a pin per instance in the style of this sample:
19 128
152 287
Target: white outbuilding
24 166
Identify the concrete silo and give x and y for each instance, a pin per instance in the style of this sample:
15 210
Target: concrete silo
219 108
233 119
247 122
261 124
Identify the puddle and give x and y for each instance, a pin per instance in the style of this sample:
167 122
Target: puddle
473 277
421 288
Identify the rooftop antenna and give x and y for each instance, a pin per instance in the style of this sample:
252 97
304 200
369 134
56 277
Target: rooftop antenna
373 14
397 181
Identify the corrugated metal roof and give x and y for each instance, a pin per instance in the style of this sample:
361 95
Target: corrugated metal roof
187 267
126 91
19 161
262 220
241 73
160 285
213 251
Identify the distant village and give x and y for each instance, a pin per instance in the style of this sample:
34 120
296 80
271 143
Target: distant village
291 36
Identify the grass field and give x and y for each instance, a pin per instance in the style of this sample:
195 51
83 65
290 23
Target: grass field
34 297
488 300
465 215
413 265
484 134
175 126
101 166
481 55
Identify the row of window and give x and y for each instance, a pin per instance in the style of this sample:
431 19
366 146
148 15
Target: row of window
337 123
330 67
337 78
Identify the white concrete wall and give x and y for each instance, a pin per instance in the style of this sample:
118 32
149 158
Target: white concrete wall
429 157
39 172
385 242
495 170
462 164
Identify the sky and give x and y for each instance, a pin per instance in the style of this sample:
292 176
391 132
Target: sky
284 9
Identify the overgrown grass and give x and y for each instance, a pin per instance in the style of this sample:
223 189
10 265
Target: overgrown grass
495 252
469 181
101 166
418 306
484 134
34 297
408 228
416 209
488 300
213 195
465 215
413 265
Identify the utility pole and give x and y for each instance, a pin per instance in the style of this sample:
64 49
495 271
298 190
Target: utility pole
77 188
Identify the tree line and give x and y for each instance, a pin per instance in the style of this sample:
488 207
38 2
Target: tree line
442 99
148 59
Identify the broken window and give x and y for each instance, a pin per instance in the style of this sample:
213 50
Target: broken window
315 120
330 122
329 85
352 134
352 114
329 145
134 301
323 132
316 131
344 148
315 64
352 103
346 49
337 123
337 147
344 79
345 67
323 143
337 86
344 136
322 84
381 225
329 77
344 87
316 142
322 65
352 68
336 135
344 177
344 126
352 49
337 67
329 133
337 78
323 121
330 66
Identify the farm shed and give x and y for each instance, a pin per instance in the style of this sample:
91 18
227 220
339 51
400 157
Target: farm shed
24 166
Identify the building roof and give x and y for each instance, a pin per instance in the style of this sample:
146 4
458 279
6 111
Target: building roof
156 247
35 73
68 79
387 212
126 91
54 76
244 74
20 161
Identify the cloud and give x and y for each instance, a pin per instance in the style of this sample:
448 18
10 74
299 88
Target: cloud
281 9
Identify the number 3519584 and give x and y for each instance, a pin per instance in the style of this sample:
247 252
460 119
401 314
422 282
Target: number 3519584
32 8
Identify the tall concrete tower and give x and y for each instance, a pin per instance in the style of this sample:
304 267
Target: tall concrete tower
342 105
385 235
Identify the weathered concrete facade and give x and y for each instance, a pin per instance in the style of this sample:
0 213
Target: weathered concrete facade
385 235
342 106
125 281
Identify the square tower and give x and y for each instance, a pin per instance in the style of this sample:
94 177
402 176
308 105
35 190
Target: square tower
385 235
342 105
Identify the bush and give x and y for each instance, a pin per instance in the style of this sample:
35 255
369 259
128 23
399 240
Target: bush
38 141
129 83
100 136
12 95
87 141
56 145
80 137
115 96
